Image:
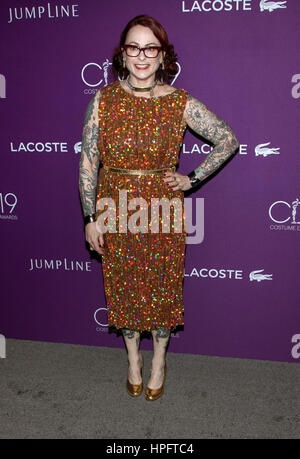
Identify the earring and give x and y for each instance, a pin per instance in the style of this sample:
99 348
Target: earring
124 65
162 65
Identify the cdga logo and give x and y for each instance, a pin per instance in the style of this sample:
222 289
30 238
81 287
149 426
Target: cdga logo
100 317
103 72
282 212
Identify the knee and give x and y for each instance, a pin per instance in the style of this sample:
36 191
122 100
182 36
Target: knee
128 333
162 332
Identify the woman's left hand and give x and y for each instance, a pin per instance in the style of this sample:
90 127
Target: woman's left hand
177 181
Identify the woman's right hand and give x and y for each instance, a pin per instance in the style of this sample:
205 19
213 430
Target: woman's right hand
94 238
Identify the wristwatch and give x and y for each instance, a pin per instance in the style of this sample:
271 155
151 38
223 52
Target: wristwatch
194 181
91 218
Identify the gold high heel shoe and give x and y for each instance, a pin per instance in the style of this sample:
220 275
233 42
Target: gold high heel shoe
135 389
154 394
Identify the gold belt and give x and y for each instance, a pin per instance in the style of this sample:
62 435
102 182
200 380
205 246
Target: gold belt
139 172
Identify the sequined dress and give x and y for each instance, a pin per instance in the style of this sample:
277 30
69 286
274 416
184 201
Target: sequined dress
142 271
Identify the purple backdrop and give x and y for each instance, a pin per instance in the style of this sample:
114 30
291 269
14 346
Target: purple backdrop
241 58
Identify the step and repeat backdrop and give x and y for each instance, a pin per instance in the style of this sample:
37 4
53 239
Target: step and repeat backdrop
240 58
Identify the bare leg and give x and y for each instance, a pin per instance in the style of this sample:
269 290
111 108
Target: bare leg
132 341
161 338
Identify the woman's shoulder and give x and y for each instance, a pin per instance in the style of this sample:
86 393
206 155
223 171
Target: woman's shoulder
165 89
170 88
106 89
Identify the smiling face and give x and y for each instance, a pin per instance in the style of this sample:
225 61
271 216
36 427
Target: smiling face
142 37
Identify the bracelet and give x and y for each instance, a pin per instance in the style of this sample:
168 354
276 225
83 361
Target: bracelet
194 181
91 218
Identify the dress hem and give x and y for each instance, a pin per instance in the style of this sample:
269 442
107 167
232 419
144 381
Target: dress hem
171 328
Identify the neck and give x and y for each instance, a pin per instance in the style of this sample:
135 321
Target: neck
137 83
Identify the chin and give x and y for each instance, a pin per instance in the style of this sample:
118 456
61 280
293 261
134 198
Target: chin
142 76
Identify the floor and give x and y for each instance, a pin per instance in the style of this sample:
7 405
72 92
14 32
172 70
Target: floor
51 390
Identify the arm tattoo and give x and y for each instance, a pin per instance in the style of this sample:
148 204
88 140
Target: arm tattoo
212 128
89 159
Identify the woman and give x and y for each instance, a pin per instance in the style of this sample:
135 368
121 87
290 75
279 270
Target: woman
135 127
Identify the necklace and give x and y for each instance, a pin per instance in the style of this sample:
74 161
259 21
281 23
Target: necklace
133 88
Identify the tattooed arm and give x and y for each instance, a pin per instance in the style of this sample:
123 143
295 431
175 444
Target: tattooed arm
88 172
89 159
213 128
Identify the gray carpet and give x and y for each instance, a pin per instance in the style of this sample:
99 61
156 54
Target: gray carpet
67 391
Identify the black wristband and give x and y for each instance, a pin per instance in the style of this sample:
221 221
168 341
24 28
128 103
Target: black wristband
91 218
194 181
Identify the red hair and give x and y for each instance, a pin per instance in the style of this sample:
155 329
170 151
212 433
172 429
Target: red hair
170 67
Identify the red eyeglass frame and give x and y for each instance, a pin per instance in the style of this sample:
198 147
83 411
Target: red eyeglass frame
142 49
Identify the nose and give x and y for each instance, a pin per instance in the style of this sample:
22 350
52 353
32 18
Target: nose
142 55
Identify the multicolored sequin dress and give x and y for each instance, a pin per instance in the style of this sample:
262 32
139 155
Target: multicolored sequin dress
143 271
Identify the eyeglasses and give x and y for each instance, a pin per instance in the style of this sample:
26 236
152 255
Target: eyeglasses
134 51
